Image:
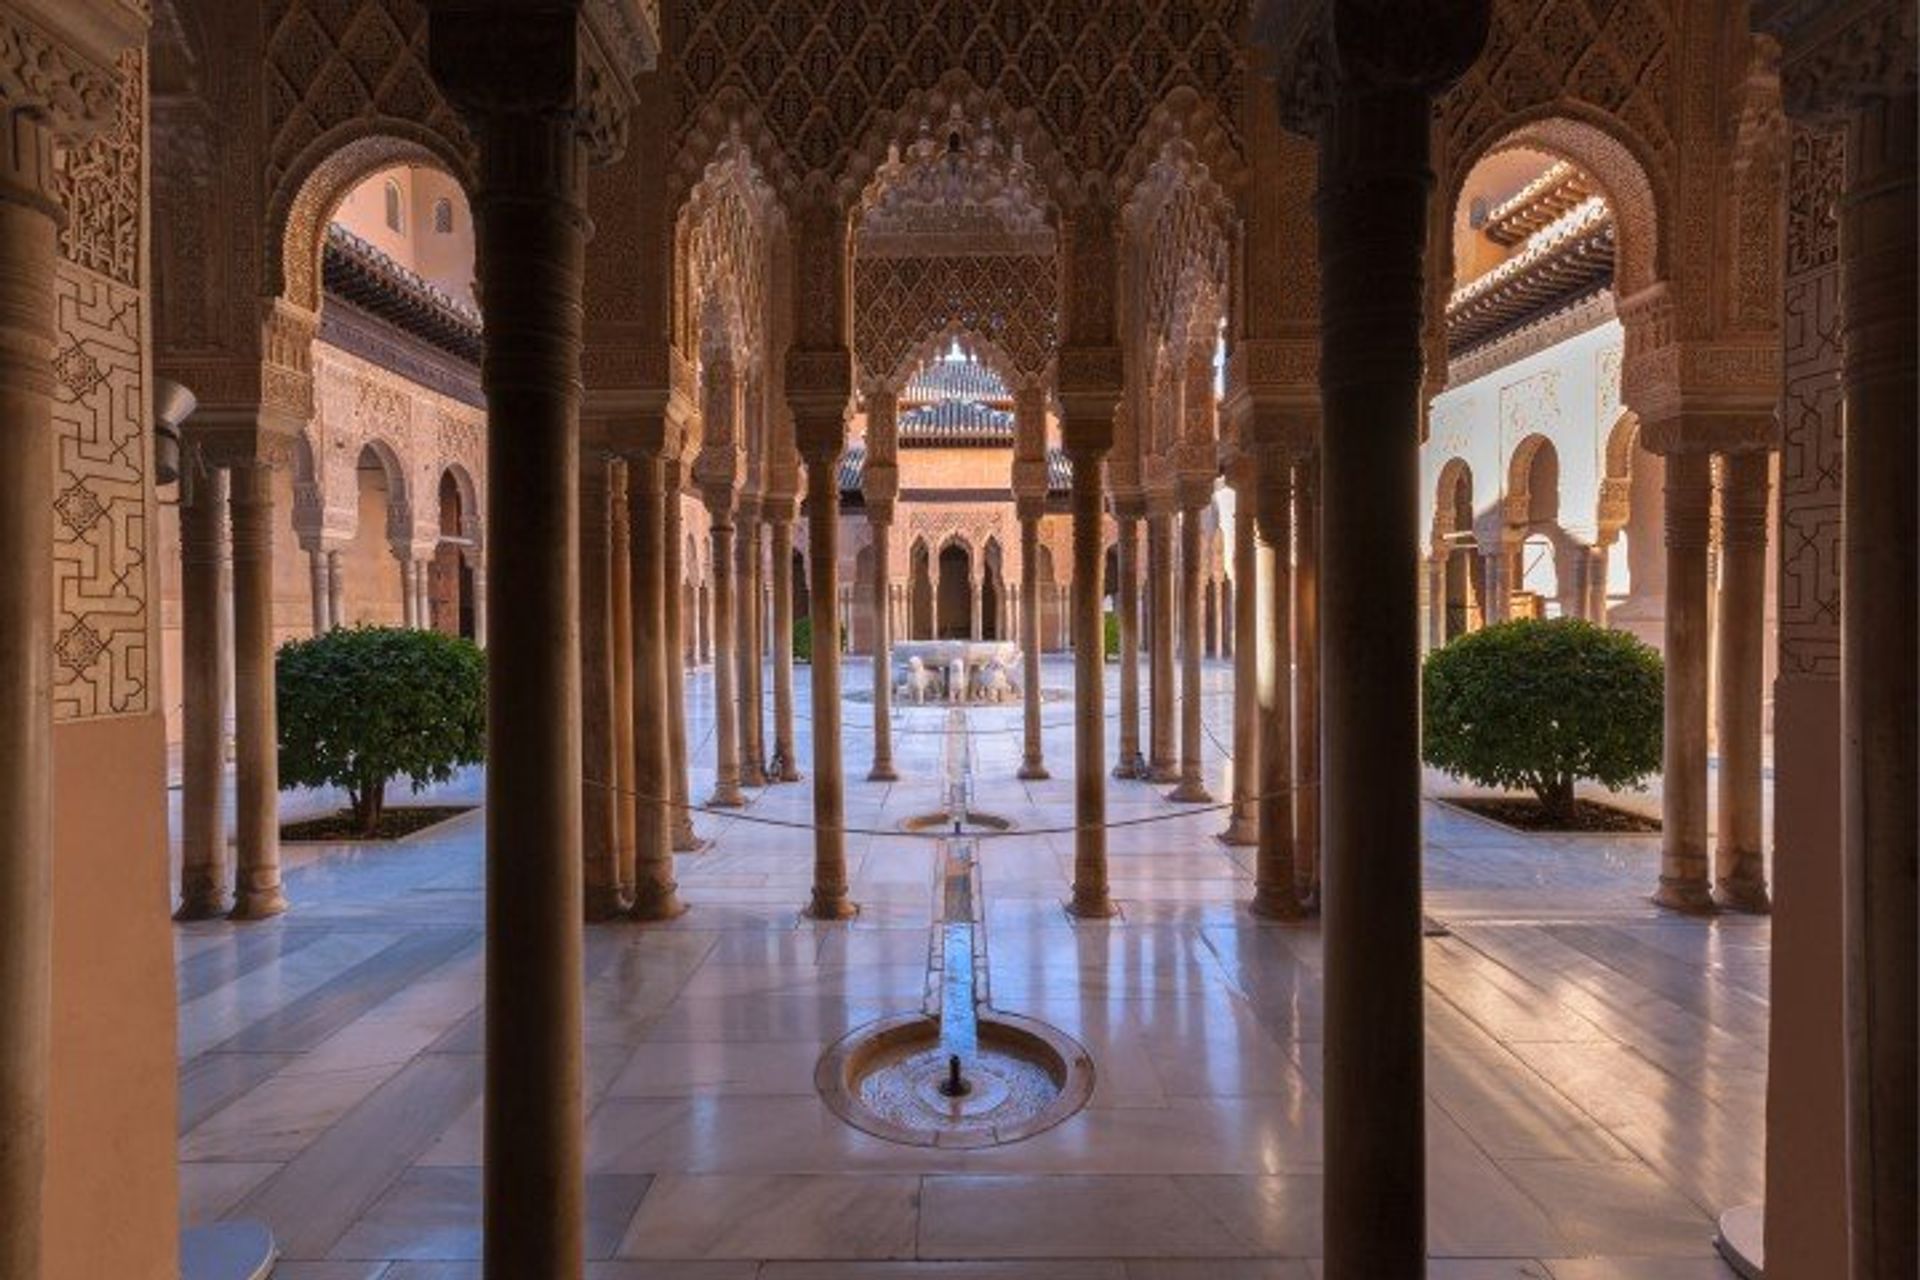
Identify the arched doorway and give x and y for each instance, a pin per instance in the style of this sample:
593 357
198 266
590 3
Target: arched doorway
452 585
953 595
920 594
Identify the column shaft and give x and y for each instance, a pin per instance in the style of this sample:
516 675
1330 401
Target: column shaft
337 593
1597 558
409 616
830 890
1033 763
256 745
1683 840
726 783
1091 897
1306 678
753 758
1243 825
1160 577
655 894
1130 764
600 782
883 770
1193 787
1276 878
786 760
316 585
205 645
619 571
1740 877
680 817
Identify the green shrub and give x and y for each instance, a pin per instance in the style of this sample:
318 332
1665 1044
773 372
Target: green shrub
360 707
1537 704
1113 637
803 639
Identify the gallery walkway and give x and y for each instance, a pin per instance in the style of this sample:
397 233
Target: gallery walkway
1595 1075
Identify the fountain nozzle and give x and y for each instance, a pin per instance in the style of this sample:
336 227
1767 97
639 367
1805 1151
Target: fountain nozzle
955 1085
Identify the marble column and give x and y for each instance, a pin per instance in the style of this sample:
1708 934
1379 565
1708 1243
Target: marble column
1127 526
786 761
1091 898
256 744
1436 600
337 595
1193 787
1243 824
747 552
1276 872
1683 794
423 589
680 817
30 214
1374 206
1496 566
1033 762
601 788
626 807
1880 633
880 521
830 900
1306 676
316 587
1739 862
974 595
655 894
1597 565
726 731
409 600
205 644
1160 573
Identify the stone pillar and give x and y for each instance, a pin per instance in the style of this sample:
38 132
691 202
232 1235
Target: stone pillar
30 216
423 593
409 600
821 442
1033 762
786 762
974 595
479 601
316 587
1374 204
753 757
1306 676
205 642
1683 795
1160 571
626 806
726 732
1243 825
703 620
1276 874
655 894
680 817
1598 557
1739 870
520 77
1193 787
1127 523
1090 894
1496 564
1437 599
602 791
880 520
256 744
337 595
1880 633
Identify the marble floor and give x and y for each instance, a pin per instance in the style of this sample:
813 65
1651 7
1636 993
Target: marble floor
1596 1069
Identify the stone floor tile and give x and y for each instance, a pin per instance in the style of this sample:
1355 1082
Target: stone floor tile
775 1216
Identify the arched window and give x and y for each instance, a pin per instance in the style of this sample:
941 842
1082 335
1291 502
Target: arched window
443 216
396 208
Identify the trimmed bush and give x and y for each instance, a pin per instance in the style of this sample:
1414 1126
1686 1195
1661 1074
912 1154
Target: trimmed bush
360 707
1538 704
1113 637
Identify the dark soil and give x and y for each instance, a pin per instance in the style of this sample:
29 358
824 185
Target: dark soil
1588 816
400 821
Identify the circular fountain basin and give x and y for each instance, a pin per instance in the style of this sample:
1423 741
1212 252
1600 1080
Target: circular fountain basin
885 1079
972 822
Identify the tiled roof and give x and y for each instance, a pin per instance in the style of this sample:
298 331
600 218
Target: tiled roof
944 379
358 272
952 423
1568 259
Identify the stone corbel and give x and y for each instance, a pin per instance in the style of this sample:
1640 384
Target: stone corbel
1090 384
819 384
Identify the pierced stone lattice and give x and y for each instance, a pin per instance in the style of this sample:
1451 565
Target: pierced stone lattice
821 71
728 253
900 304
99 186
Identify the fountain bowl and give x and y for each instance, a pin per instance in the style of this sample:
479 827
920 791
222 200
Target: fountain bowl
884 1079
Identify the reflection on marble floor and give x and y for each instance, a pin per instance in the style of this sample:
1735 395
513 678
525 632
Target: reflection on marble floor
1596 1069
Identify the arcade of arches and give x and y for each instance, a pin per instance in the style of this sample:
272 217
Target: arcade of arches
841 418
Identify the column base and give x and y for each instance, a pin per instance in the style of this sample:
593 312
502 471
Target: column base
1748 896
832 907
1241 832
1689 897
1190 792
1033 771
656 904
199 908
1277 904
883 773
1092 906
1160 773
604 904
685 838
726 795
260 904
1132 765
784 770
755 777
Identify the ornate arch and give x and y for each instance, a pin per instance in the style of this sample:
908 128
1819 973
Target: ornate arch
472 527
1184 117
1616 480
724 268
399 496
1520 467
937 342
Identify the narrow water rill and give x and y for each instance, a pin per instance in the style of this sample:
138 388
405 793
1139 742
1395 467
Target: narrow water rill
956 1073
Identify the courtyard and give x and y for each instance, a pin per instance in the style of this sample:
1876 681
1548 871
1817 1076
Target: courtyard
1595 1067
